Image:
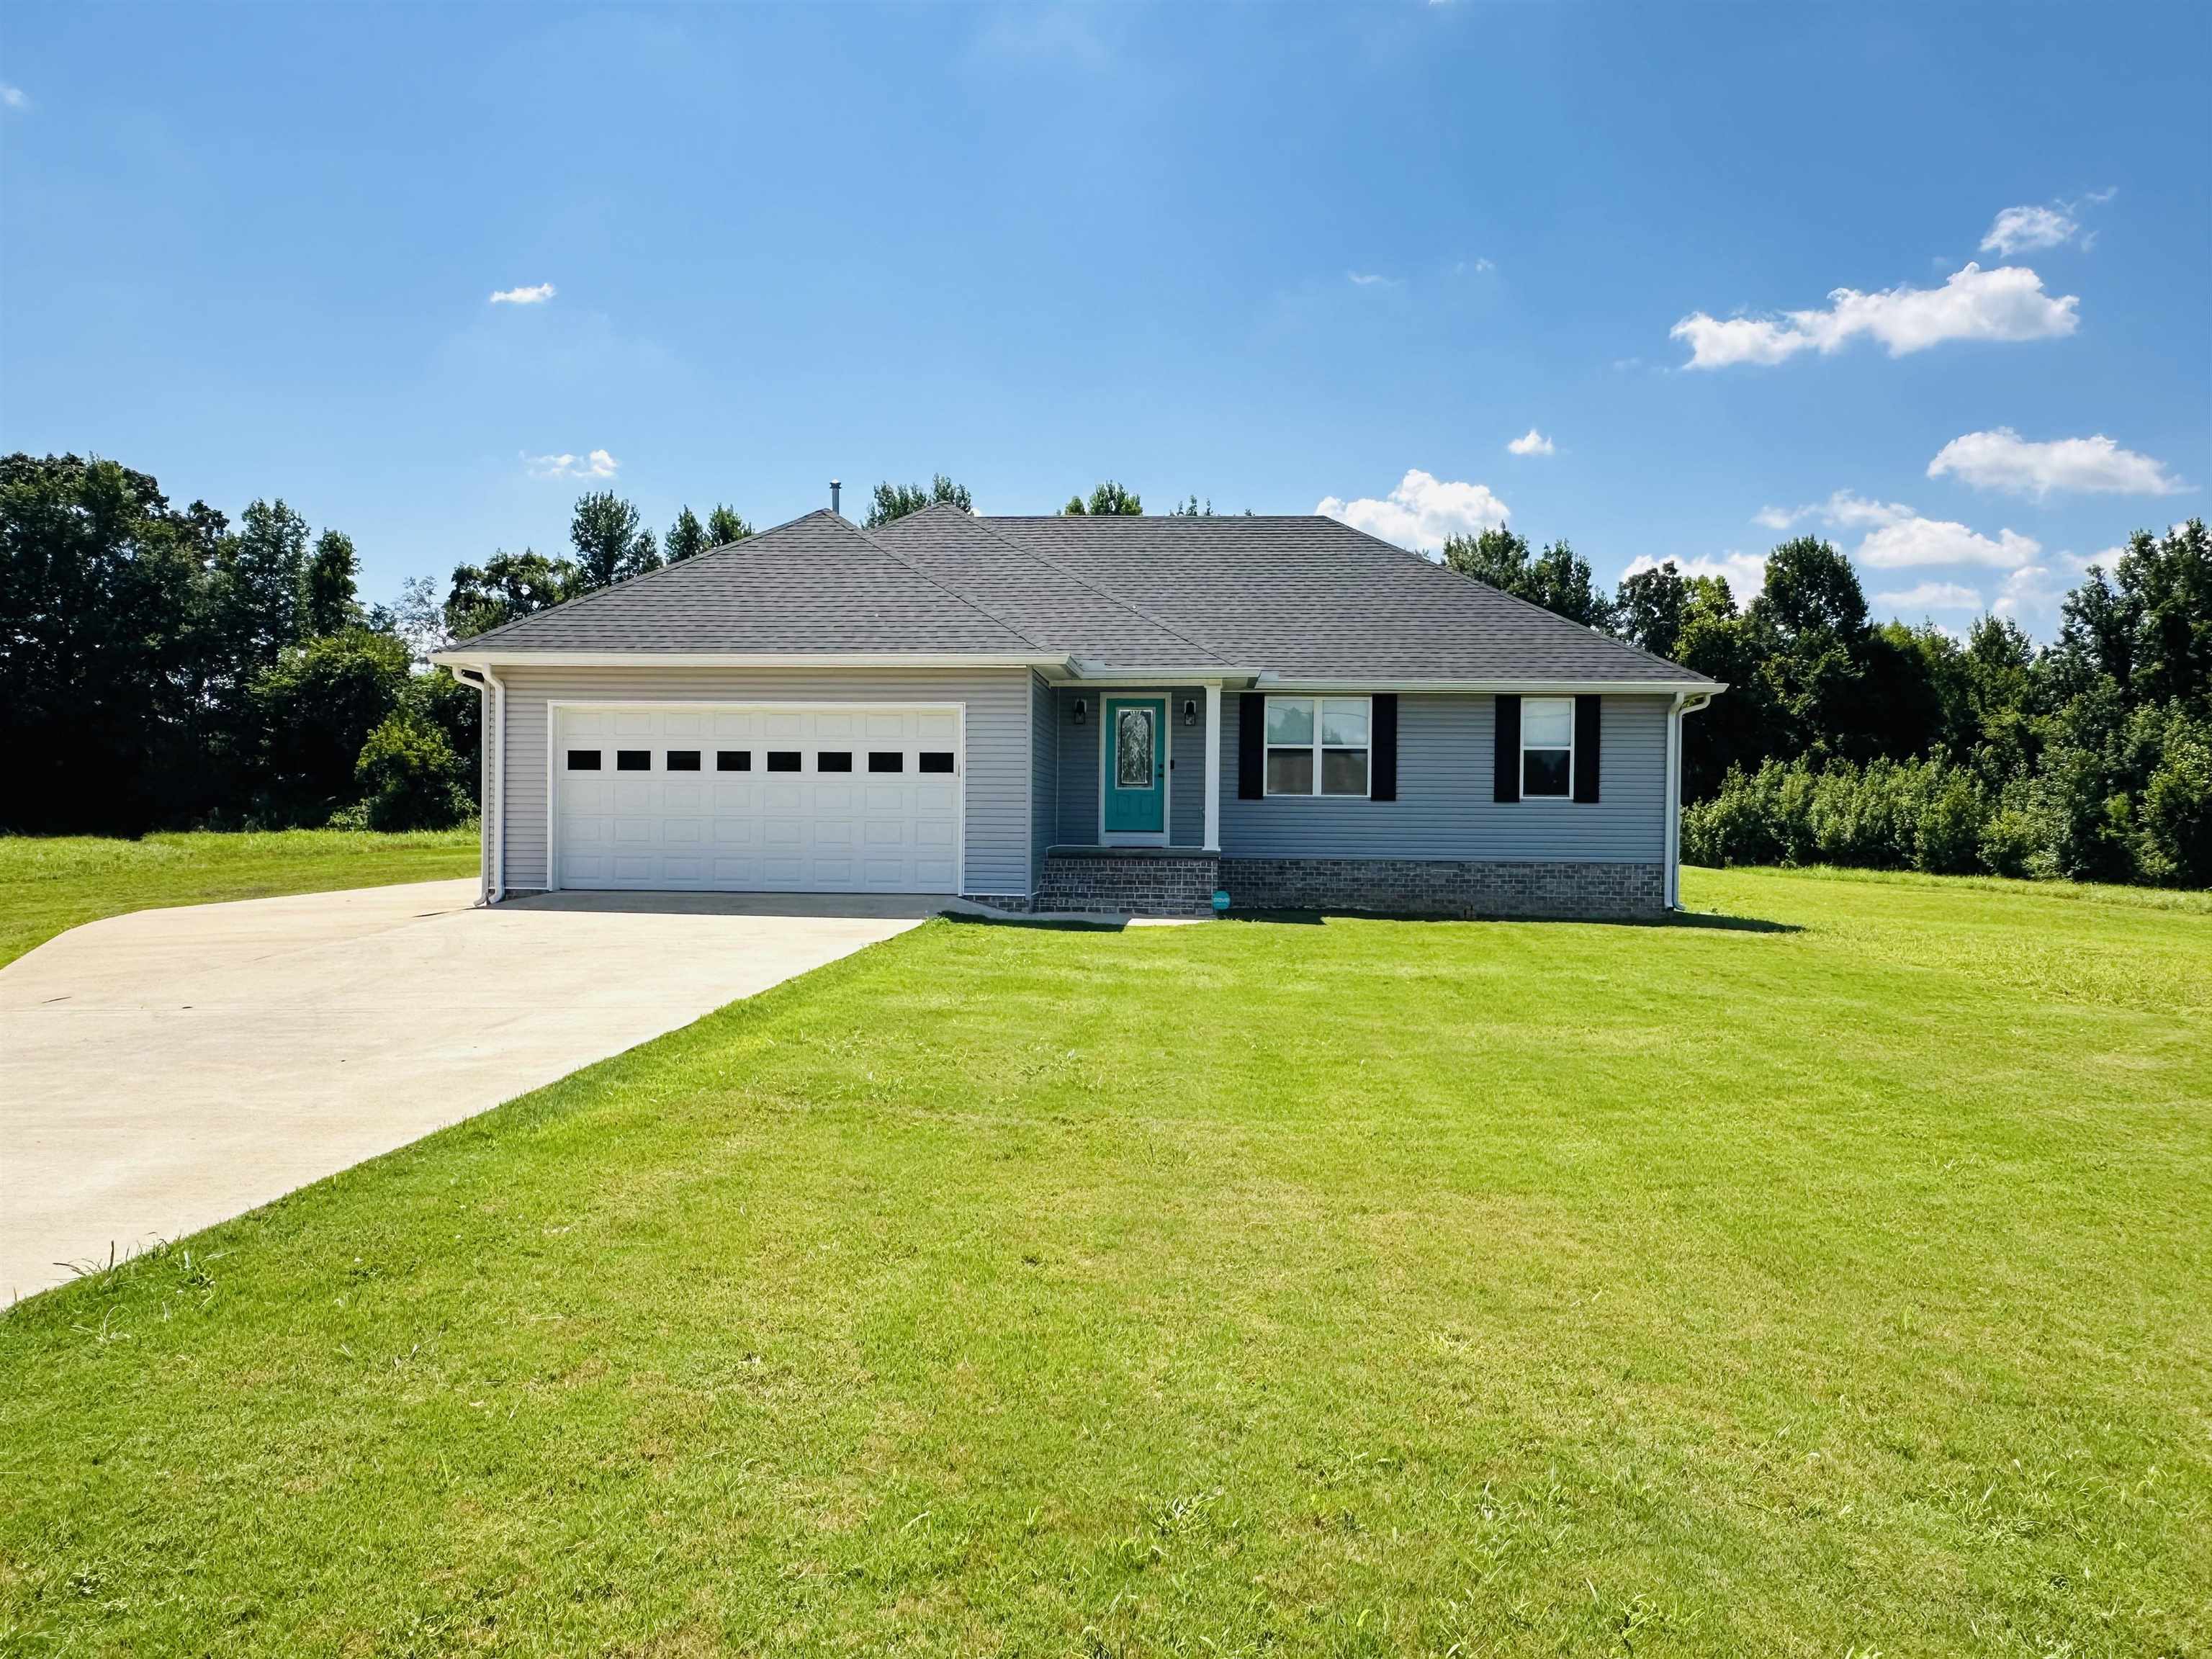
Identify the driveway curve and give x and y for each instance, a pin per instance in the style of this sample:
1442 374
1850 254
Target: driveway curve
163 1071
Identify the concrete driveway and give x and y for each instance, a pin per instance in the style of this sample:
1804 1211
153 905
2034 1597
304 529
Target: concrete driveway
163 1071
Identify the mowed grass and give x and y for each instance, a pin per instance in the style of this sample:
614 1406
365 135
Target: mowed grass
1835 1282
49 883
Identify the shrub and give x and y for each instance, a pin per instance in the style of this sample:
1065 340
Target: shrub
410 777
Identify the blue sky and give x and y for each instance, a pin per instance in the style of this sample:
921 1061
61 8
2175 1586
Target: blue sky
1276 256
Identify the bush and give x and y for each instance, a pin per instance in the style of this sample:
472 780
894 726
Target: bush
1887 815
2174 843
410 777
2010 841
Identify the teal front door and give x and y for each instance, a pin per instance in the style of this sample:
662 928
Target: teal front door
1136 780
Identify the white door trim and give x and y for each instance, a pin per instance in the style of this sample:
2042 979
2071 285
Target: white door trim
1130 837
750 706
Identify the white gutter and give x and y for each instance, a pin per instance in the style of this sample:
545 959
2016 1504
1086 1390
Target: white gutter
462 657
1520 688
1685 703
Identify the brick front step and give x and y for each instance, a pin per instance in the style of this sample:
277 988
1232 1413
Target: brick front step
1131 882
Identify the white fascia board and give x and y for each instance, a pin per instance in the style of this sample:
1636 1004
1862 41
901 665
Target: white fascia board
1208 673
1520 687
462 657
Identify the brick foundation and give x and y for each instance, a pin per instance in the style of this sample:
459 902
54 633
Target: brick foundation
1136 882
1014 901
1439 887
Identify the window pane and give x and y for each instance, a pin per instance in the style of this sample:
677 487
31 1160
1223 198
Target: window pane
886 760
583 759
1344 721
783 760
830 760
633 760
1290 719
1133 749
682 760
1547 722
1544 772
1290 771
1344 771
734 760
936 760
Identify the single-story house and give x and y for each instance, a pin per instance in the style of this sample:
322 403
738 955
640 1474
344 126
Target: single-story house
1079 714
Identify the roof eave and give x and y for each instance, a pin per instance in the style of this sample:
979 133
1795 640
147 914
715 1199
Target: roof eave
460 656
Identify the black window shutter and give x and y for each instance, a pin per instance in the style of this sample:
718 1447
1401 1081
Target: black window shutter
1382 741
1507 779
1251 746
1586 744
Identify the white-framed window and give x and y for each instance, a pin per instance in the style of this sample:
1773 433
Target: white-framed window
1547 748
1318 745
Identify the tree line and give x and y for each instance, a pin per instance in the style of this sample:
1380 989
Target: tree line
1842 741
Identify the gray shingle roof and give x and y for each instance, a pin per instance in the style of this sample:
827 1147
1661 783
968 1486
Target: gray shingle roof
814 584
1304 598
1311 597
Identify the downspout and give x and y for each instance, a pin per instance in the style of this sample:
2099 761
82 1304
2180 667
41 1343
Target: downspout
1685 703
497 870
492 763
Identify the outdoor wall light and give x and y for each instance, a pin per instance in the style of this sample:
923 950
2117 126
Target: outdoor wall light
1082 711
1190 711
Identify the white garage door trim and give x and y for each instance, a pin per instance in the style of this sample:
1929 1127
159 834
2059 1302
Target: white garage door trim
556 708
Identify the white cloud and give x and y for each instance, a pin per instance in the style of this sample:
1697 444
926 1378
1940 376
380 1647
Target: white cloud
597 464
13 97
2024 229
2008 303
2002 459
1897 538
1532 442
1933 596
524 296
1421 511
1370 279
1745 572
1907 542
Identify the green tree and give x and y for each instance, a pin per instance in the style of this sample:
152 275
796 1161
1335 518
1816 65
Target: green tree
261 586
100 592
1558 577
505 587
724 526
610 544
332 600
687 538
1648 609
314 707
1109 499
1191 509
893 501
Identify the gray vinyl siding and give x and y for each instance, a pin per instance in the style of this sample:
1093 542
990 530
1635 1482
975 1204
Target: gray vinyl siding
998 767
1077 786
1081 759
1444 808
1044 766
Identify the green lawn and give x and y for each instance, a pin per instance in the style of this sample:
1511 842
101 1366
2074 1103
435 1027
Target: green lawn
1835 1282
51 883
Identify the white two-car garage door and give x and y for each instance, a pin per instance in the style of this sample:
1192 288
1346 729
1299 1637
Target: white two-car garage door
855 797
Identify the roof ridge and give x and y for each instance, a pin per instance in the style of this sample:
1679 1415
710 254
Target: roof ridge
634 577
1106 593
979 607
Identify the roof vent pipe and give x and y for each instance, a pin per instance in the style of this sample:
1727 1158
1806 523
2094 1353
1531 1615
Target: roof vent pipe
833 488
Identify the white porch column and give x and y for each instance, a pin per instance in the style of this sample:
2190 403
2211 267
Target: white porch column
1213 768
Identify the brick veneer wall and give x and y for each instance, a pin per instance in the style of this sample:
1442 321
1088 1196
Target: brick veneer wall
1179 884
1447 887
